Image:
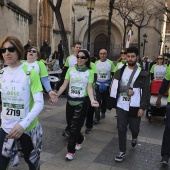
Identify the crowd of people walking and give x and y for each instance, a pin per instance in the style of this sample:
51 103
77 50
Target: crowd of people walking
93 86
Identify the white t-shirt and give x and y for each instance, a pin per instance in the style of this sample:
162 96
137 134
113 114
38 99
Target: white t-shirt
159 71
17 96
123 101
104 70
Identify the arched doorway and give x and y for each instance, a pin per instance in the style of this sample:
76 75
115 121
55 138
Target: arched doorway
100 42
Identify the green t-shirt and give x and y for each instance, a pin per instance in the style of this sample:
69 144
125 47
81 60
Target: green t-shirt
71 61
39 66
78 82
93 67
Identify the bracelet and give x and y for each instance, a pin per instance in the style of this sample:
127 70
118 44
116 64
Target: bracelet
49 91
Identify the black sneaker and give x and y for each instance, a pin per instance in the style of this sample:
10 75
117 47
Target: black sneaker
66 133
165 160
134 142
103 115
120 157
95 121
88 130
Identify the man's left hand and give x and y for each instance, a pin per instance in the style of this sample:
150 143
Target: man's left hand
140 112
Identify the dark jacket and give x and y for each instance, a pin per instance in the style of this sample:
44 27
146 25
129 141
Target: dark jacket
142 82
146 67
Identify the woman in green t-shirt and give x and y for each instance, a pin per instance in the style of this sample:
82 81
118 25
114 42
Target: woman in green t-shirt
80 79
158 70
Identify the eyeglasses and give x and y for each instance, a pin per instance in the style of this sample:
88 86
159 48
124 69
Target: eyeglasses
102 53
32 51
81 57
10 49
160 58
123 52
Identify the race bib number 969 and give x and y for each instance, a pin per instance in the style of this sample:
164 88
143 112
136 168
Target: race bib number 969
76 91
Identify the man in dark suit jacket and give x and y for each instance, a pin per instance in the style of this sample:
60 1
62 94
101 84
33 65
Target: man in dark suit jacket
61 52
153 61
46 48
145 64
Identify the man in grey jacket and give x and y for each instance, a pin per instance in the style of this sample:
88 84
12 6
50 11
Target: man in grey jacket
130 95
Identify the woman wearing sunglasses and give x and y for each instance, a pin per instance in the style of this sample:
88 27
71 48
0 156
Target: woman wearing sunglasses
121 61
32 57
158 70
80 79
22 101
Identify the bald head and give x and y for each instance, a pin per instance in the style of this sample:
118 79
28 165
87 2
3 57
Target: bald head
103 55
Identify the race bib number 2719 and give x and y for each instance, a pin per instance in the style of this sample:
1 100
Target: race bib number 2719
17 112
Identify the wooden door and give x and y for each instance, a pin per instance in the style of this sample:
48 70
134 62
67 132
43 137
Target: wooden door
100 42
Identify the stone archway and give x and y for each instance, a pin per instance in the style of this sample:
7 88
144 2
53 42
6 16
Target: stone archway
100 42
45 22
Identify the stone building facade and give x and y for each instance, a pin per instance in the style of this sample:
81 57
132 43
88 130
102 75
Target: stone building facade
35 20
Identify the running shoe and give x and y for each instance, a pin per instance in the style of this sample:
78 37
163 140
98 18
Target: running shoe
134 142
66 133
95 121
103 115
79 146
88 130
70 156
120 157
165 160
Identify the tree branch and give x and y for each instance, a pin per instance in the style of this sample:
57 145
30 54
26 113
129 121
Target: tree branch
51 4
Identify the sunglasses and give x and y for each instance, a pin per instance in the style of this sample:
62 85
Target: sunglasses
160 58
32 51
123 52
81 57
10 49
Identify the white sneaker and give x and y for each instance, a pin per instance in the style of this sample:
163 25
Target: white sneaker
70 156
79 146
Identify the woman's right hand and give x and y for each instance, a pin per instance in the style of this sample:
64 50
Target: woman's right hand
94 103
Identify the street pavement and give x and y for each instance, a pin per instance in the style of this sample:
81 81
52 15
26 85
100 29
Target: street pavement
100 147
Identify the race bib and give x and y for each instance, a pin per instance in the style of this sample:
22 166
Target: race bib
124 98
103 76
76 91
13 111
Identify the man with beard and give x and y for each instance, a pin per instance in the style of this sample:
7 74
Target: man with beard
130 95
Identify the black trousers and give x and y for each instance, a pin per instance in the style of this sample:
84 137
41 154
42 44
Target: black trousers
77 117
102 98
89 117
123 120
166 136
61 59
27 147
